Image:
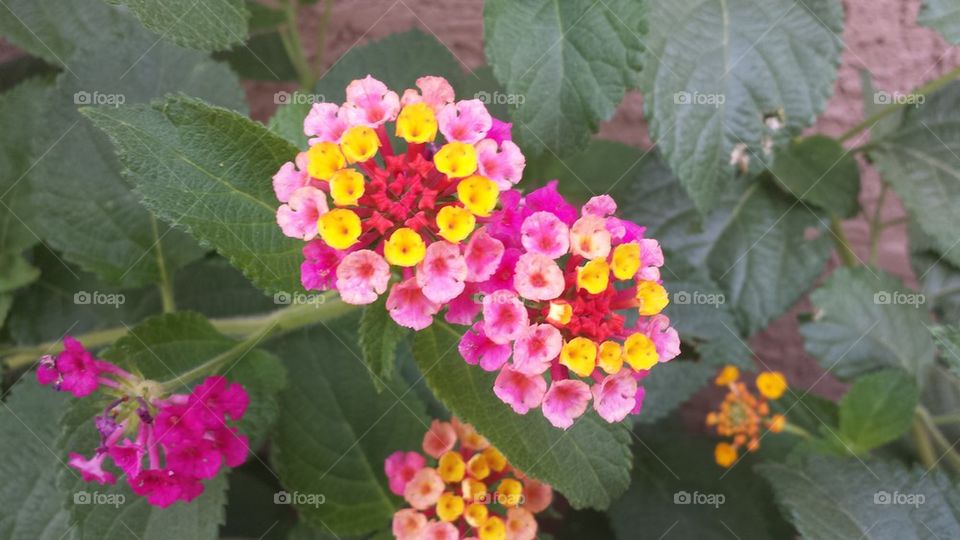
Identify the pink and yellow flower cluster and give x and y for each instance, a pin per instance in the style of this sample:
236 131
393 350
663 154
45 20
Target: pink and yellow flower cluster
165 445
367 209
468 489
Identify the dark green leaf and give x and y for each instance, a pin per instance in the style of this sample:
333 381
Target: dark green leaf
379 337
834 498
225 161
580 177
15 272
938 277
717 70
877 409
335 431
948 341
670 385
866 320
570 62
263 57
207 25
597 451
819 171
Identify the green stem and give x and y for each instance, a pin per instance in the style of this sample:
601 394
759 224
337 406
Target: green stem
946 419
293 45
796 430
846 253
321 40
166 284
945 445
928 88
876 227
923 445
247 328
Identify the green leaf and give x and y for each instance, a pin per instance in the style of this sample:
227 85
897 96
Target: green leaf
754 245
942 15
588 463
579 180
716 70
16 272
208 25
877 409
225 162
379 337
865 320
938 277
678 492
669 386
919 161
833 498
819 171
873 102
948 342
29 502
570 61
215 288
263 57
22 68
335 431
84 208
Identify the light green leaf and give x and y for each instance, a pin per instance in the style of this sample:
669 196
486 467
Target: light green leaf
919 161
30 506
716 70
877 409
15 272
831 498
754 245
207 25
567 63
942 15
84 208
379 337
224 161
335 431
865 320
818 170
589 463
678 492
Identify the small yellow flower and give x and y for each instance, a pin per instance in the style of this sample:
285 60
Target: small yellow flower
777 423
451 467
346 187
493 529
359 144
772 384
473 489
560 313
455 223
476 514
611 357
509 492
640 352
725 454
594 276
652 298
449 507
727 375
479 194
478 467
626 260
324 159
456 159
404 248
580 355
339 228
495 459
417 123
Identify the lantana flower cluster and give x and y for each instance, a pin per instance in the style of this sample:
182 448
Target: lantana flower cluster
165 445
742 414
367 209
462 487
